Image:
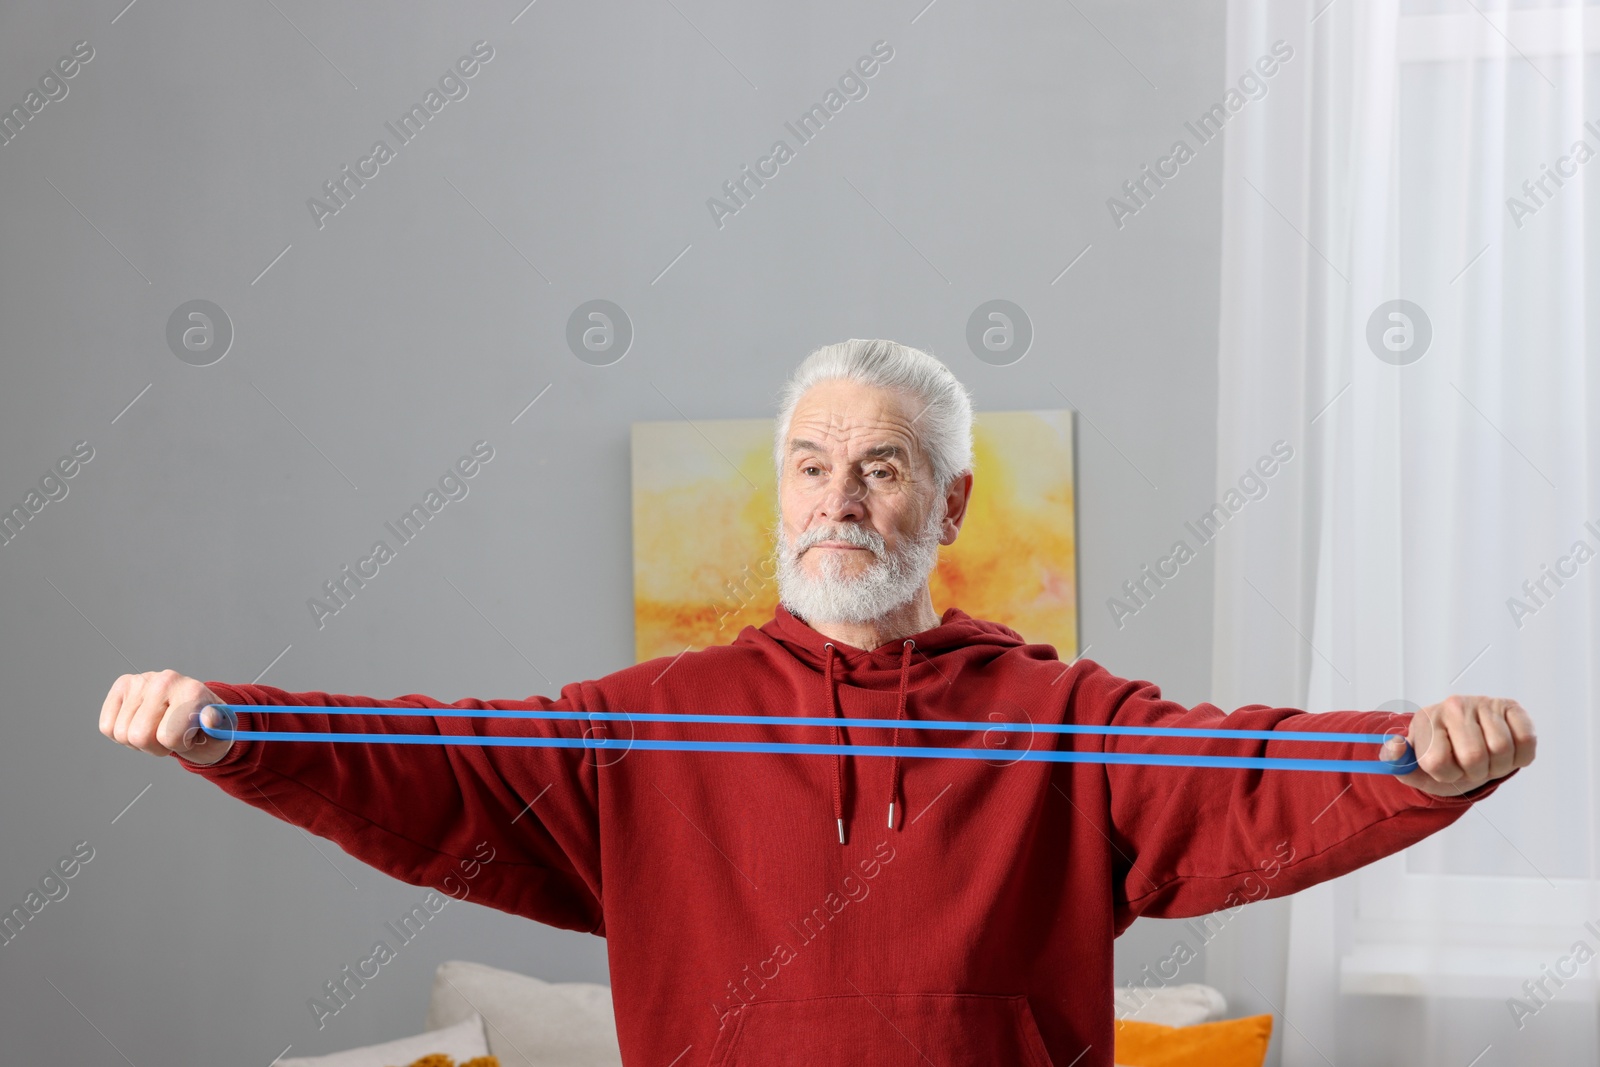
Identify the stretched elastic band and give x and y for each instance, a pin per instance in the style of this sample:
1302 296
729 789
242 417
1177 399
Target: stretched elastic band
1402 765
815 720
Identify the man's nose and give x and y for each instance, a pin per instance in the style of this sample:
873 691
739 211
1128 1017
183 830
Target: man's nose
845 498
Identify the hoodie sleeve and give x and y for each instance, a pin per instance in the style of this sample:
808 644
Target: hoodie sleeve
1193 840
425 812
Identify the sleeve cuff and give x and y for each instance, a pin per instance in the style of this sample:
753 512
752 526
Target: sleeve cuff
227 694
1469 797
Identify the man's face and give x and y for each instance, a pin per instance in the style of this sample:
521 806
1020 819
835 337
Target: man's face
860 516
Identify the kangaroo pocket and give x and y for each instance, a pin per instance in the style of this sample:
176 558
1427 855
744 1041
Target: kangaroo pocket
883 1029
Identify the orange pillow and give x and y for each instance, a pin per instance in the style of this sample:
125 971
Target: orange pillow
1229 1043
439 1059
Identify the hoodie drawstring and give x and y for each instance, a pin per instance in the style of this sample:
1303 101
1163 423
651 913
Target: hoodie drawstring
838 741
899 715
836 711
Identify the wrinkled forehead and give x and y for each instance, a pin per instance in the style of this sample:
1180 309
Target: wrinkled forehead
855 420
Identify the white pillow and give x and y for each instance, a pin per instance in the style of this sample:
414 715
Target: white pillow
529 1023
461 1042
1178 1005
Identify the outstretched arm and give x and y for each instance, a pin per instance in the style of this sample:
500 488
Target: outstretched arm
1196 840
416 812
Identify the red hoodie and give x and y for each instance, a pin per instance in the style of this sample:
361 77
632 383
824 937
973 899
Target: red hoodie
972 926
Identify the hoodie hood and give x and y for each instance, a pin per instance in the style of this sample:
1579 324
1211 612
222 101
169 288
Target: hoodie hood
911 666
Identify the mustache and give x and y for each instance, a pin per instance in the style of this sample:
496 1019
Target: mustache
849 534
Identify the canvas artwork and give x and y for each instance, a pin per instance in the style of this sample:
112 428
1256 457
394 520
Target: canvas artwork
705 509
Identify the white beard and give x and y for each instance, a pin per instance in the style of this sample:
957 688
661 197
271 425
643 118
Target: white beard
830 597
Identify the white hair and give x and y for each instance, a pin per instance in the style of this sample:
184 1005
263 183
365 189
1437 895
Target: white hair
943 425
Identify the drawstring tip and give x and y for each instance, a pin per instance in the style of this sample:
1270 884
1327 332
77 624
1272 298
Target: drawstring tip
891 815
841 831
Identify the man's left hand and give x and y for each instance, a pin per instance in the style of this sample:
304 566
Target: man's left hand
1462 743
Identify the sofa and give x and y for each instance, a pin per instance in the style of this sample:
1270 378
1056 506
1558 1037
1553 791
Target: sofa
475 1010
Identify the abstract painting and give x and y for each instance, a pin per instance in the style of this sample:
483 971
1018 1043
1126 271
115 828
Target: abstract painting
704 509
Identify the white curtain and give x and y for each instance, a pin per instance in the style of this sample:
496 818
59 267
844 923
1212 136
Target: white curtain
1438 530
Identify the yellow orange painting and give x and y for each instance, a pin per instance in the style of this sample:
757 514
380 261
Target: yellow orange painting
704 513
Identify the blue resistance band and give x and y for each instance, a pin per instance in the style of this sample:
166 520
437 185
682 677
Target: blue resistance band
1403 765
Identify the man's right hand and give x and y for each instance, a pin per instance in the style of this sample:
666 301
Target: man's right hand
159 712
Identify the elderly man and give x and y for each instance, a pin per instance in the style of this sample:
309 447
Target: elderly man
816 909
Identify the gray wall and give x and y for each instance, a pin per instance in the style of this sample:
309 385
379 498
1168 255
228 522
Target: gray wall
424 316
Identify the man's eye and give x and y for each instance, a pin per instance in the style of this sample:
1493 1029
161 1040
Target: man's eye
809 469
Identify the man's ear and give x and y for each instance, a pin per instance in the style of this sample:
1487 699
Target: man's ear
955 507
